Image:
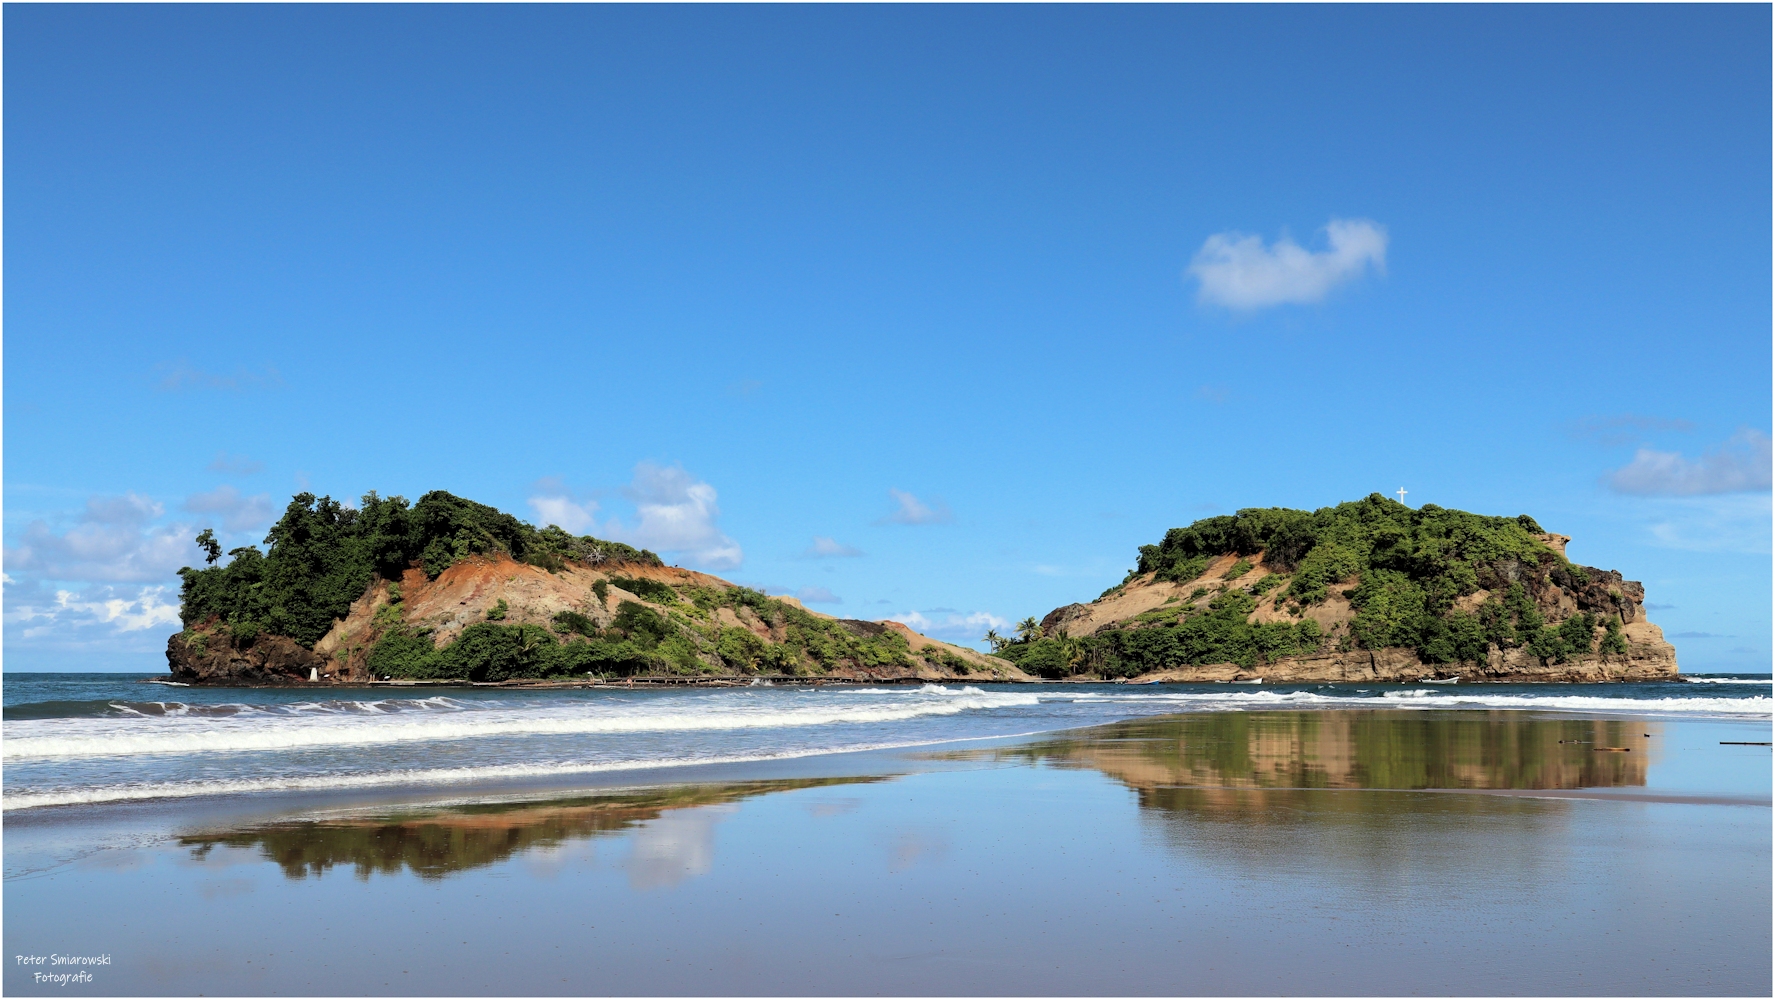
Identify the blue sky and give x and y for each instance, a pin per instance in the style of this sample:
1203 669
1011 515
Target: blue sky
929 312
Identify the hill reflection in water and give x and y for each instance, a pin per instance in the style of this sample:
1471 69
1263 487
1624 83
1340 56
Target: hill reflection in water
1332 790
1355 749
438 843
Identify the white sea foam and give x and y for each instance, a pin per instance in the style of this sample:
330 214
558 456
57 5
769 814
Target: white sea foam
1728 680
1754 707
314 726
95 795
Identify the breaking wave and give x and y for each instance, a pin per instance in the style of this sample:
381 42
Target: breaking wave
174 728
1752 707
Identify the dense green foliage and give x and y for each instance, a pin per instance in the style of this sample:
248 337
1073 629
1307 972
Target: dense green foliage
323 555
1171 636
1412 566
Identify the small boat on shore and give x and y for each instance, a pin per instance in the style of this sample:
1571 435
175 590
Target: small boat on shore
1441 680
1251 680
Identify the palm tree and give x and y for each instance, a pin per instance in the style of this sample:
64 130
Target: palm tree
996 641
1074 652
1029 630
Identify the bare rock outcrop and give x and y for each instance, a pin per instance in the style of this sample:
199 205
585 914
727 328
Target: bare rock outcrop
211 654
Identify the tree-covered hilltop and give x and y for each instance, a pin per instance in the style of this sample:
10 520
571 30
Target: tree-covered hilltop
1410 567
323 555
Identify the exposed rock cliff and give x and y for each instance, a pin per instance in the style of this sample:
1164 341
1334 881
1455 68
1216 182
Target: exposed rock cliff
212 654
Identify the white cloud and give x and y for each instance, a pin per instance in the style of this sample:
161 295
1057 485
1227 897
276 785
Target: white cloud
235 465
1738 523
954 625
911 510
1237 271
676 513
1741 465
113 541
817 595
827 548
1622 428
238 513
577 517
36 613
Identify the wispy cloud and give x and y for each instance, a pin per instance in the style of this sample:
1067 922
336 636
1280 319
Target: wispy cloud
180 376
953 625
1741 465
674 513
237 512
1237 271
113 541
827 548
108 610
1731 523
1624 428
235 465
911 510
555 504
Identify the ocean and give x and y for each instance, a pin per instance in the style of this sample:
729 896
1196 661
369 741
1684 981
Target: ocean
1210 839
81 739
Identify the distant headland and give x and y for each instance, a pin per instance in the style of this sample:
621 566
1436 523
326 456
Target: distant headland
447 590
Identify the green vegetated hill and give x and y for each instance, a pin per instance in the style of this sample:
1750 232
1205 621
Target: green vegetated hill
323 555
451 589
1453 587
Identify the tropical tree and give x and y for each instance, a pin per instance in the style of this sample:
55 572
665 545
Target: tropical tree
1074 652
996 641
212 549
1029 630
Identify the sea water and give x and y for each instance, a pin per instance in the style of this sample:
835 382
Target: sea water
912 840
88 739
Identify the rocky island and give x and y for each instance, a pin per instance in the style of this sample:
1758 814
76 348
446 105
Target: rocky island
1370 590
449 590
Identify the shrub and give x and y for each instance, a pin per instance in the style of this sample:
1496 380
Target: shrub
740 649
498 611
1612 640
641 624
404 654
1238 569
574 623
647 590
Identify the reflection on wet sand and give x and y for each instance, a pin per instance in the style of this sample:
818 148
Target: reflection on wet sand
437 843
1354 749
1253 787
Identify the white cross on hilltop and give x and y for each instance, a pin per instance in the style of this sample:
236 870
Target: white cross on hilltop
1401 492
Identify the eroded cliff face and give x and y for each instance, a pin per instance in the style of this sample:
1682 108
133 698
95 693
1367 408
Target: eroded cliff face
1556 593
211 654
468 591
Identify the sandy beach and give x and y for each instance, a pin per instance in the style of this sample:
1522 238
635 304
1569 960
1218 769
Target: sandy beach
1322 852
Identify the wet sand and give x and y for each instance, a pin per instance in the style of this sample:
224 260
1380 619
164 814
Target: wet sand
1323 852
